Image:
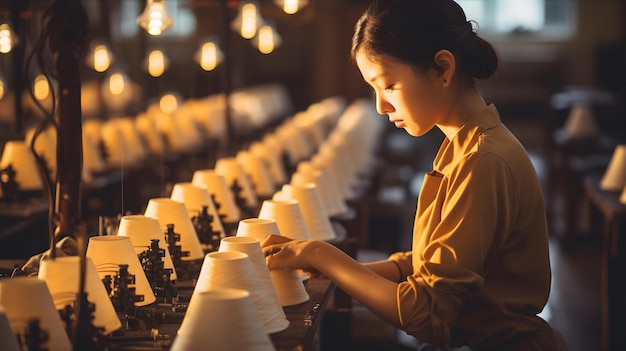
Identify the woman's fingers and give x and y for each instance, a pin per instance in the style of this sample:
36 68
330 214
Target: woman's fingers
271 250
269 253
274 239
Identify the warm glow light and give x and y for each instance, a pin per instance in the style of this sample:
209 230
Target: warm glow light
41 87
156 63
1 89
101 58
291 6
248 20
6 38
168 103
266 40
208 57
155 18
116 84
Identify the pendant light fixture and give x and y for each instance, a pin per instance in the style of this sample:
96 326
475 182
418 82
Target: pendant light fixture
267 39
8 39
99 57
290 7
248 19
155 19
209 55
156 63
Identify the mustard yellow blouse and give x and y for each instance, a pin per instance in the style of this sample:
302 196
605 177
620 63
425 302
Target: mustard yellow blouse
479 270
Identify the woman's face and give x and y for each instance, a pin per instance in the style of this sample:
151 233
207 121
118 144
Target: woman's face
413 100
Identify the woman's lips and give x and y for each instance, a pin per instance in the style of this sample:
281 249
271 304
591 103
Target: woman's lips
398 123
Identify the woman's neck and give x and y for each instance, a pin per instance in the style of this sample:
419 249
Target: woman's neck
465 106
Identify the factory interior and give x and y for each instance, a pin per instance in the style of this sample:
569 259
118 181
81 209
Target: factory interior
105 118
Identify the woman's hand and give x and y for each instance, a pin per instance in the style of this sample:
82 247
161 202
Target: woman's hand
321 258
284 253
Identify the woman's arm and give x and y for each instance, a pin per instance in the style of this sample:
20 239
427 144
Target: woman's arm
386 269
364 285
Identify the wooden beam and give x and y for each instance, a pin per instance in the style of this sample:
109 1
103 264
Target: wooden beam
67 30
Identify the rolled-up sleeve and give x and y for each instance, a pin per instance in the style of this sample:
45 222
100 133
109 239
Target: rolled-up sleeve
404 261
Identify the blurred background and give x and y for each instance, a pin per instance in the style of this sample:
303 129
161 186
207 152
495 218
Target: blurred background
561 61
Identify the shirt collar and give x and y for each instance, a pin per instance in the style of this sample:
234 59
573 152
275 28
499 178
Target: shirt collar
465 140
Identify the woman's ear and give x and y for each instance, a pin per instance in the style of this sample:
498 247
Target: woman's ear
446 62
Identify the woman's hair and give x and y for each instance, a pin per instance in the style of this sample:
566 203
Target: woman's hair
412 31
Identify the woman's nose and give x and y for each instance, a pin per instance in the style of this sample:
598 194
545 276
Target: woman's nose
383 106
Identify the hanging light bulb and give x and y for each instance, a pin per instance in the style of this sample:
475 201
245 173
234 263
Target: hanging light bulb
267 39
156 63
41 87
291 6
209 55
248 20
99 57
117 84
155 18
8 39
118 92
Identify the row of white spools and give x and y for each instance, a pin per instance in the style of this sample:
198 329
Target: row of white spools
330 145
130 140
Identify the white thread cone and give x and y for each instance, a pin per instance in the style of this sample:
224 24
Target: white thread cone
222 319
314 125
9 340
19 156
331 198
259 228
148 130
108 252
235 270
295 142
275 148
195 197
258 172
168 211
288 282
216 185
62 276
232 171
141 230
118 151
133 139
339 163
347 159
276 321
328 181
580 123
288 216
273 161
26 298
313 210
614 178
188 126
289 287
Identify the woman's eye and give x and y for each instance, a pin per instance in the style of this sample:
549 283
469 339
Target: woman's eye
390 88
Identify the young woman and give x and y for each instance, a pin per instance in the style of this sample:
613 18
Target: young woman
479 272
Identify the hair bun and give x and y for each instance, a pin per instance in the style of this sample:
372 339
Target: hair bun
481 60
